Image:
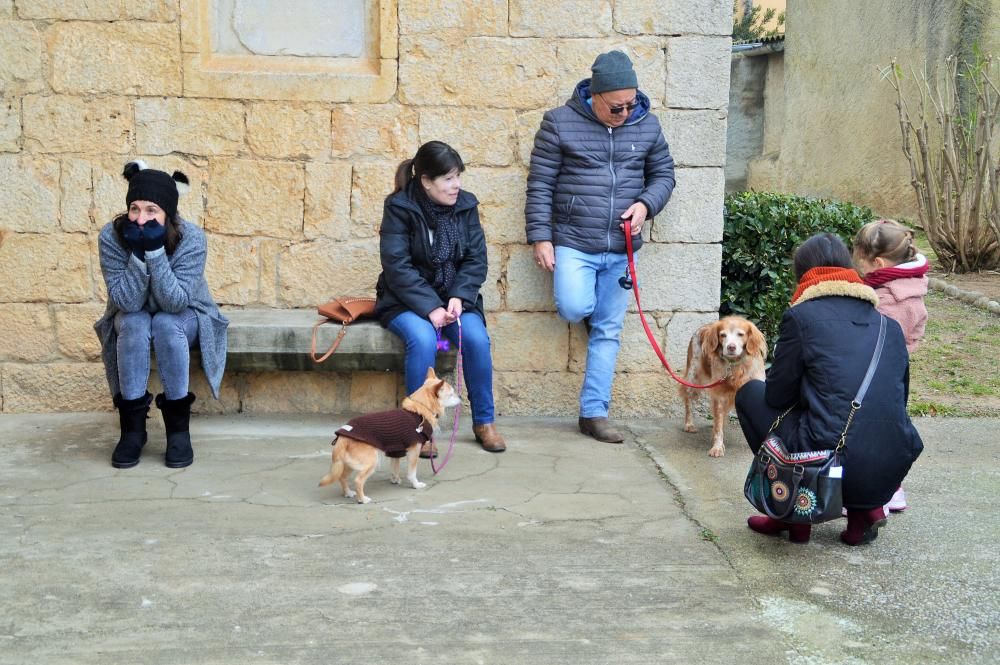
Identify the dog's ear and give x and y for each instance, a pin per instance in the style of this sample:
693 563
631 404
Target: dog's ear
436 390
756 344
709 337
430 374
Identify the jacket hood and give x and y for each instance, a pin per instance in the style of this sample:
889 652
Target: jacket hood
578 102
406 198
908 287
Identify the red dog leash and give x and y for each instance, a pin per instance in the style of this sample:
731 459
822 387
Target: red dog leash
458 408
642 315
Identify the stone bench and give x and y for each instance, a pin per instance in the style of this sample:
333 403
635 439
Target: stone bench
281 339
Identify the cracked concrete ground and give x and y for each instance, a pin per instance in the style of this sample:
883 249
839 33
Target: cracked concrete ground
561 550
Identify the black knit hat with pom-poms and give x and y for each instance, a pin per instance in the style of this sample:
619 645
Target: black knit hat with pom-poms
146 184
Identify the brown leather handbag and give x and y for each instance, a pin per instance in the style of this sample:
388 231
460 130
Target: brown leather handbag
344 311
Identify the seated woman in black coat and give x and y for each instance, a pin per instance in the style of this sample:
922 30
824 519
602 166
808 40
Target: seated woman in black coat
825 345
433 255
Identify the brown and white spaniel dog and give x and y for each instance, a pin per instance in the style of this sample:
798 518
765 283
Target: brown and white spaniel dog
731 348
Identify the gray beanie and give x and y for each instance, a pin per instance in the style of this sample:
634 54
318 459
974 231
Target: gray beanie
612 71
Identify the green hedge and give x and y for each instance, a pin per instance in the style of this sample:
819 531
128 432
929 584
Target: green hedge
762 230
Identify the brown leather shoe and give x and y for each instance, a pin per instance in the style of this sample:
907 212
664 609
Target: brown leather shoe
489 438
429 450
601 429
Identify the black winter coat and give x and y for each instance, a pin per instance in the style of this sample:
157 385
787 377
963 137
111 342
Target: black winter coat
405 250
584 175
824 347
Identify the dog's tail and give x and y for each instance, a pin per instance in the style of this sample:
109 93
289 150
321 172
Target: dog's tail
336 469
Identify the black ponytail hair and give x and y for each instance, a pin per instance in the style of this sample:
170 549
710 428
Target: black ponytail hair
434 159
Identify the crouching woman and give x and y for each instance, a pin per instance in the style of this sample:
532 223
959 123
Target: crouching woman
153 264
825 345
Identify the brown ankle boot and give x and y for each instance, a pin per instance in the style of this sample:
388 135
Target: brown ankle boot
489 438
601 429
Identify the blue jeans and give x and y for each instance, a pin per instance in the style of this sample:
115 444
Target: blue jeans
421 350
171 335
586 285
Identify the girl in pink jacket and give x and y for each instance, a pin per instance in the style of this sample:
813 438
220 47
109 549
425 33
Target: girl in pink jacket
885 256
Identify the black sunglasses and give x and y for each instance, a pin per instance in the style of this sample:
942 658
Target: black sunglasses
615 110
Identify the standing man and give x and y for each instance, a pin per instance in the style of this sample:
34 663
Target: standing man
598 160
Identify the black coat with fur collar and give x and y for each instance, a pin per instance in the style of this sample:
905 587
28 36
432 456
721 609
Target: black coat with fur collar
405 251
824 347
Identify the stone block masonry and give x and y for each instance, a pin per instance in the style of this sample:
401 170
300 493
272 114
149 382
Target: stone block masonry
290 155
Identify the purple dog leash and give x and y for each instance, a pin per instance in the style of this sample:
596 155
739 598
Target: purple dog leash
458 391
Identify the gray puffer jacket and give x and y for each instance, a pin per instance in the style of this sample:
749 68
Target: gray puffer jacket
584 175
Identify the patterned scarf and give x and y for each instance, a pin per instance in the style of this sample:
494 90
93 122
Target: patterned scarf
826 274
442 221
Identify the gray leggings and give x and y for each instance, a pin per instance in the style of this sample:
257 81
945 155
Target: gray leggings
172 336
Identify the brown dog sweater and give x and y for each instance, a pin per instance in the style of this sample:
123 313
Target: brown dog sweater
392 432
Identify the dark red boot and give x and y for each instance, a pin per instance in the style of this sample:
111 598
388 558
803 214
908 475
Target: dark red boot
797 533
862 526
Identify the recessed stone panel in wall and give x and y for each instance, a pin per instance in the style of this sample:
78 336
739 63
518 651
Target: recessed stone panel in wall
191 126
121 58
303 28
65 123
297 392
251 198
29 196
256 49
538 394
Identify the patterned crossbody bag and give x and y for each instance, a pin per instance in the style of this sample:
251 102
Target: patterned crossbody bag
803 488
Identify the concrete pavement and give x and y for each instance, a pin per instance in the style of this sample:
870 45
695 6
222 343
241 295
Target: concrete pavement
561 550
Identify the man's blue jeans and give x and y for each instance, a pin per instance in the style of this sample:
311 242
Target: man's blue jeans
171 335
586 285
421 350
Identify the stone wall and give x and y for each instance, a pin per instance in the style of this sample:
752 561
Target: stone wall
291 155
831 125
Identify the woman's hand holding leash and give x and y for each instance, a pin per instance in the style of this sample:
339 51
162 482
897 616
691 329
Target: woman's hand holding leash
439 317
454 309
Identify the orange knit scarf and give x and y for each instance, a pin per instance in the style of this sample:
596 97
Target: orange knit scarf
822 274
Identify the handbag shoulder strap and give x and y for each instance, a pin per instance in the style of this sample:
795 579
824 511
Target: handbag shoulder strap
863 390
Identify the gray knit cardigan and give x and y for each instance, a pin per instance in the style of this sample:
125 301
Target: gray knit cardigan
175 282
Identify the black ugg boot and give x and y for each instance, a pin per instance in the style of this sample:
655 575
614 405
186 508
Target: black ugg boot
176 418
132 418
